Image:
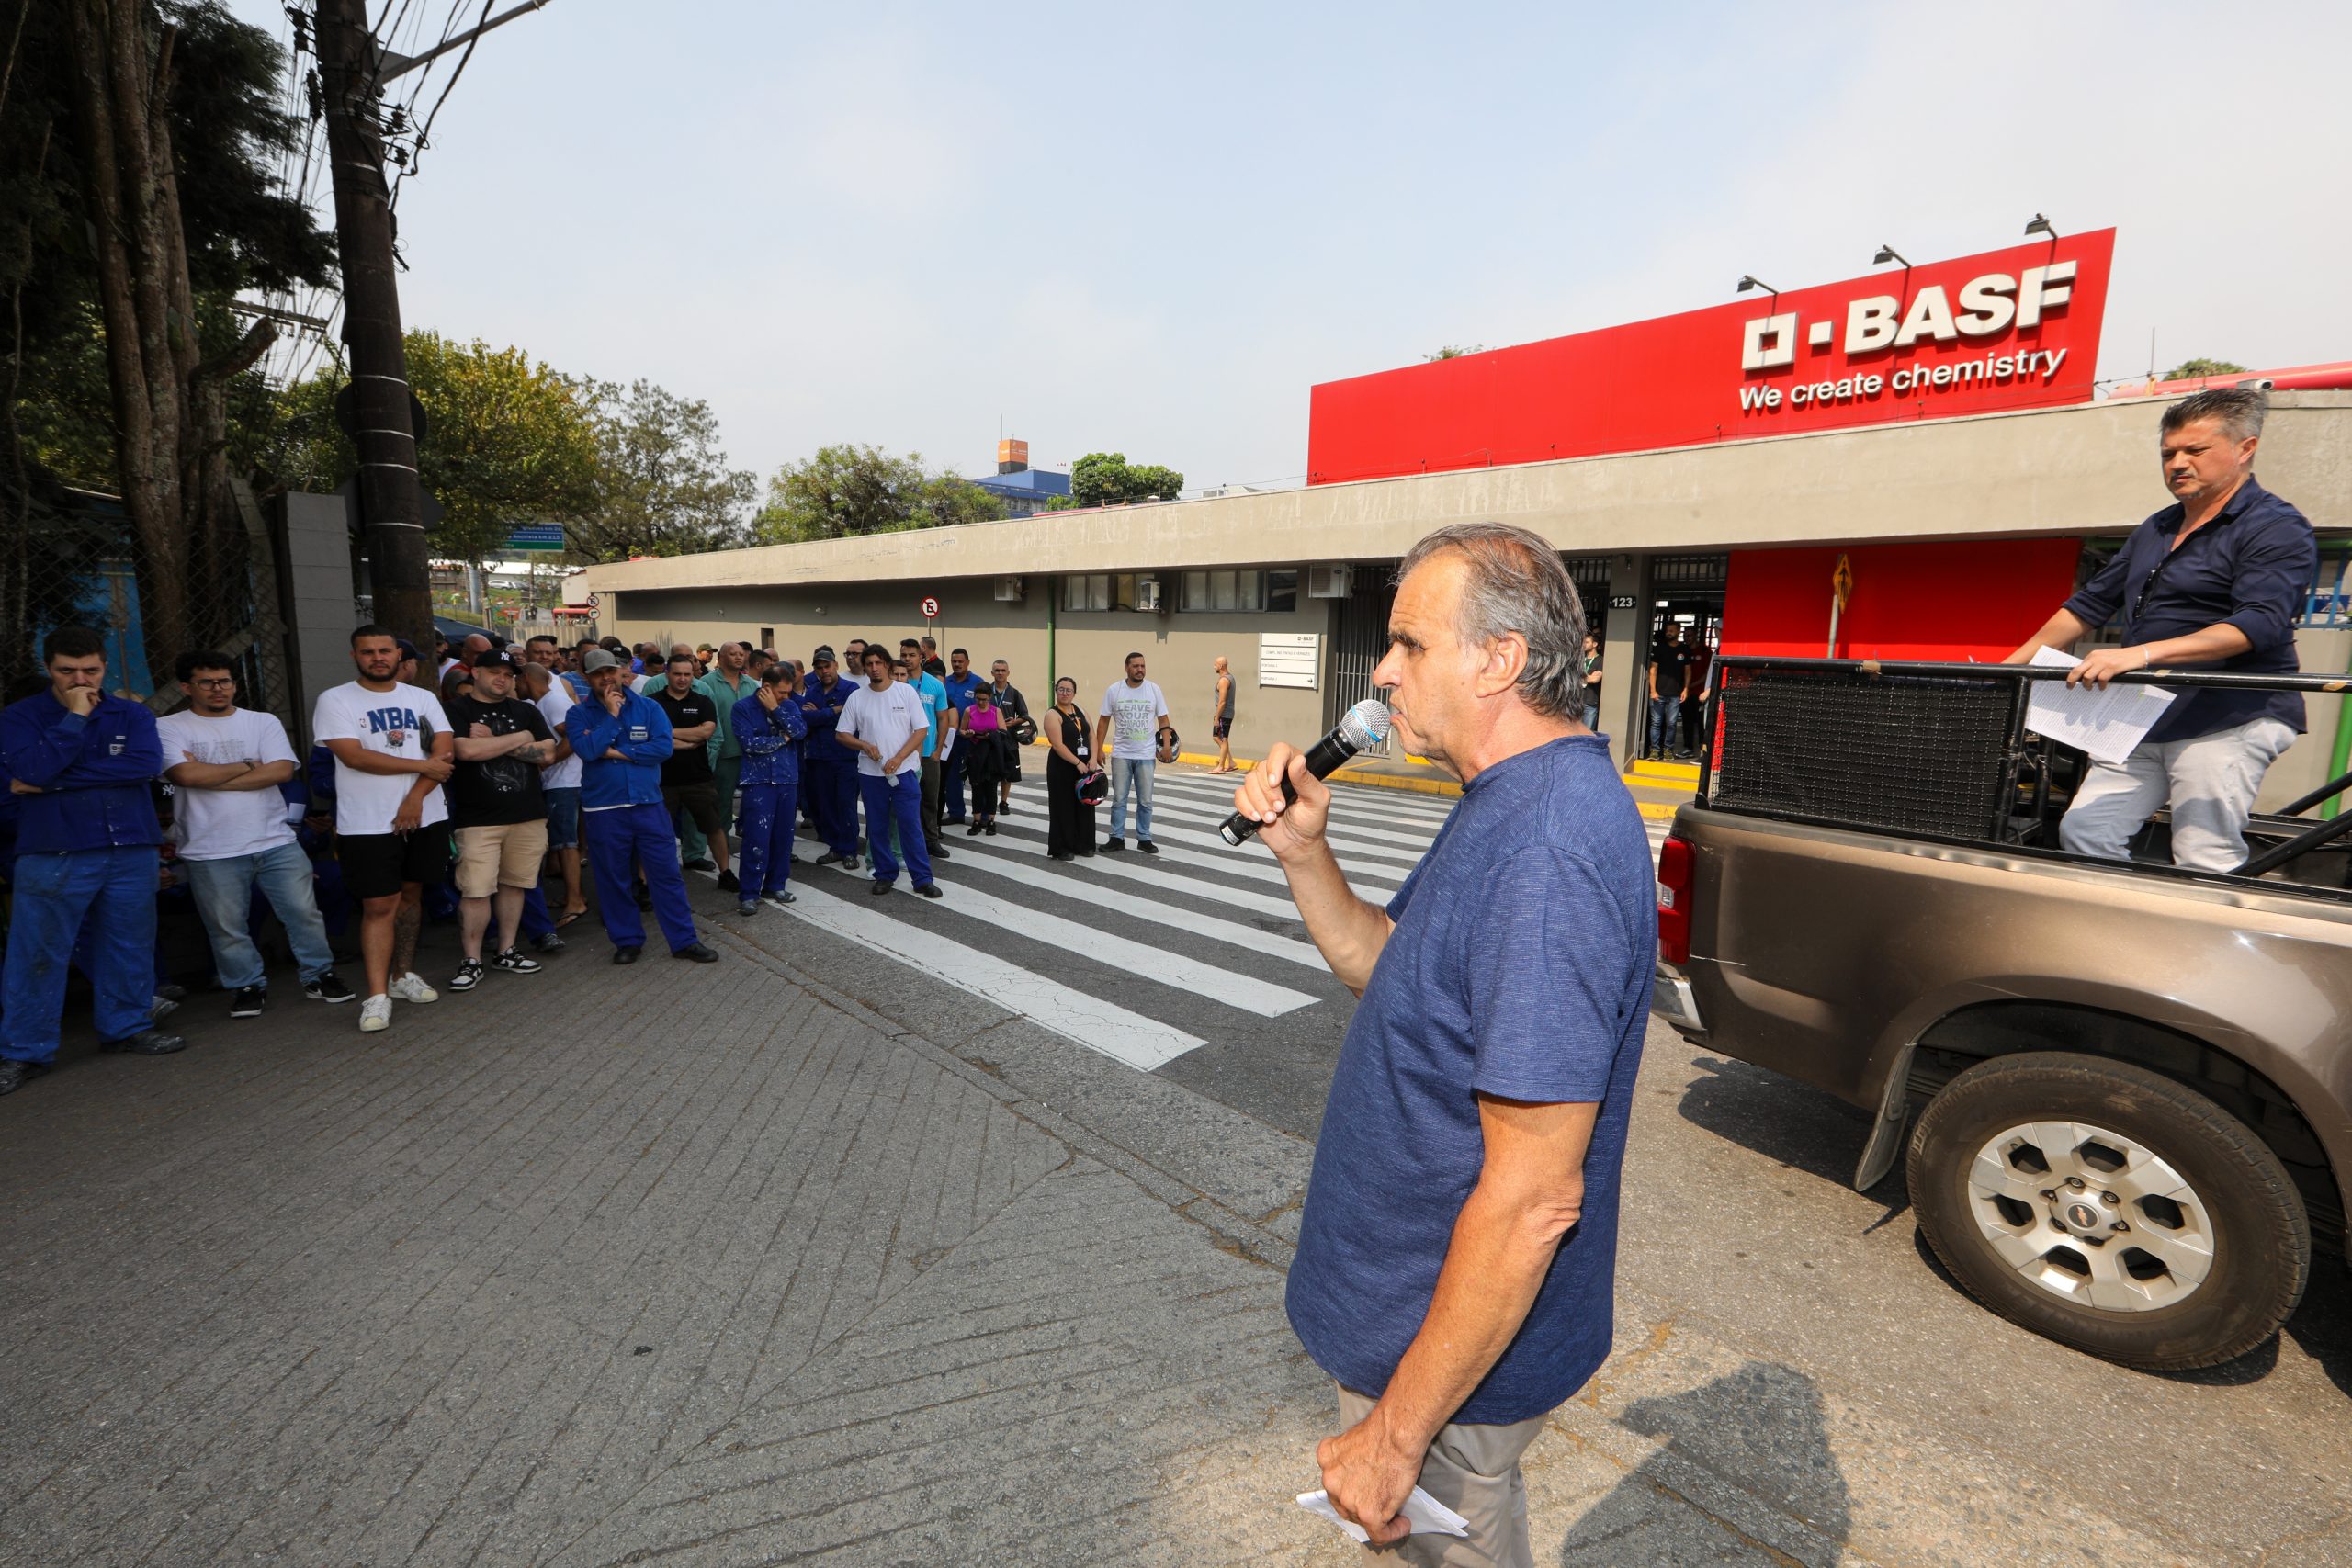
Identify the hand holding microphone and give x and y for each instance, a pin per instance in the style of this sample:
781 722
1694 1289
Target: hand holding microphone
1288 786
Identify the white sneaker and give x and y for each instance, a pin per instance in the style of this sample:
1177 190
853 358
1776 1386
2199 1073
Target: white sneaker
411 988
375 1013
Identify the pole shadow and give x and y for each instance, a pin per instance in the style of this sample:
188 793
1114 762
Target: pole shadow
1758 1434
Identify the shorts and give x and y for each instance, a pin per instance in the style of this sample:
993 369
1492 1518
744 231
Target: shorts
563 819
501 854
699 801
380 865
1220 729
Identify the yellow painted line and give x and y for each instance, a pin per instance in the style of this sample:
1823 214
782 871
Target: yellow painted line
1677 772
1651 809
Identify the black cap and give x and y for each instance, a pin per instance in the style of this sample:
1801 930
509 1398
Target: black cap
496 658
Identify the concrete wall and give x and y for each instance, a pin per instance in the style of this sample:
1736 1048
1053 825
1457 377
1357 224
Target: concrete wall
2050 471
1179 648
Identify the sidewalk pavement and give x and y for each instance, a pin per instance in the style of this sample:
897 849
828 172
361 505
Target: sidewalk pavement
688 1264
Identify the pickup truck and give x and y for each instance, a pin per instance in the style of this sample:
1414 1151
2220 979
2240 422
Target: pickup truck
2127 1087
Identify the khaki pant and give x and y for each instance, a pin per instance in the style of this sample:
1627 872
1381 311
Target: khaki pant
1473 1469
504 855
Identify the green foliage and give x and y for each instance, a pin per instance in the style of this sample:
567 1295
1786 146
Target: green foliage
663 487
1107 478
851 489
1452 351
2189 369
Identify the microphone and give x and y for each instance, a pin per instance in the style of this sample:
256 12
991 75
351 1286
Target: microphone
1366 724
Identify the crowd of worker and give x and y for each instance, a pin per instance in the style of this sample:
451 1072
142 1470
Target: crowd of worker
511 790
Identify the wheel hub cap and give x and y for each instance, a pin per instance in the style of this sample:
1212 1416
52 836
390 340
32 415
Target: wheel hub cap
2091 1216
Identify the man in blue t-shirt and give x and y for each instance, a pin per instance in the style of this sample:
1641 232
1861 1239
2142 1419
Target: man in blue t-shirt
939 742
959 683
1457 1254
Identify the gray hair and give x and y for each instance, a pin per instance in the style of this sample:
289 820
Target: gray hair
2239 409
1517 584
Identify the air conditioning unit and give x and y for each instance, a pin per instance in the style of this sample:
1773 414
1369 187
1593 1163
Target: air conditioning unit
1008 590
1330 581
1147 593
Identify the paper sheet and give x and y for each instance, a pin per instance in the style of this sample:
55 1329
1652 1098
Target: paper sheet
2106 724
1423 1512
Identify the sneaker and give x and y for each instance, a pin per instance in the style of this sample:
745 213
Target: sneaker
748 906
1146 846
513 962
159 1005
991 830
976 829
1112 846
930 890
411 988
698 864
247 1002
880 888
328 988
939 852
849 862
468 976
827 859
375 1013
548 942
780 899
727 883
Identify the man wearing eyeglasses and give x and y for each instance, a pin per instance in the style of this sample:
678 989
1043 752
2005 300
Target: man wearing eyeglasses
2214 581
224 764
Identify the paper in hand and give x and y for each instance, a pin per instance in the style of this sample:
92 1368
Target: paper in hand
1424 1513
2106 724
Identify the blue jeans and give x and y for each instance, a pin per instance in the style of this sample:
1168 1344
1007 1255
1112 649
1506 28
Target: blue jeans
224 901
563 819
894 802
1125 772
769 815
1663 713
116 888
621 839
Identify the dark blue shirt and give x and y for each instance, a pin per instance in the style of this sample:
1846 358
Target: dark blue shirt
1519 967
821 710
2250 567
96 773
961 687
771 755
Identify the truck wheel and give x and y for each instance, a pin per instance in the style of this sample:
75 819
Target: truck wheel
2111 1208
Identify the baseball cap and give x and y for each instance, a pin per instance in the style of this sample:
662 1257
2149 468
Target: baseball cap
598 659
496 658
824 654
408 648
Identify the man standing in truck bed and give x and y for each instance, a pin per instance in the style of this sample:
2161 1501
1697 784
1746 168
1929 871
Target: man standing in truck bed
2216 580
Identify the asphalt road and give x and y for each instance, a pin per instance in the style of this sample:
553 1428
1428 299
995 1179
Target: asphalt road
1912 1425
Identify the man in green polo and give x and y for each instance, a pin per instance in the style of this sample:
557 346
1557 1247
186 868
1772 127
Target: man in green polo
729 682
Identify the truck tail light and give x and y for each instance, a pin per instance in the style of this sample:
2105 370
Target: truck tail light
1676 866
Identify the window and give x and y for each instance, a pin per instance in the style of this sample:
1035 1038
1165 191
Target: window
1226 590
1087 592
1281 589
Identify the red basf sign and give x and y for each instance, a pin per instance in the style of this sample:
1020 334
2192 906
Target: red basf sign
2010 329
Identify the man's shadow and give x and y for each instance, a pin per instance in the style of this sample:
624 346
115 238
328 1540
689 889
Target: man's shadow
1759 1444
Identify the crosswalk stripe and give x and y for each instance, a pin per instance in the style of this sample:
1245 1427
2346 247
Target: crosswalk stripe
1336 833
1140 959
1065 884
1141 1043
1015 842
1254 860
1348 814
1388 804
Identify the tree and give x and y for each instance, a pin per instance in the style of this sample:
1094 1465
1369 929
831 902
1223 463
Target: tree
136 146
2191 369
506 441
663 486
1452 351
1107 478
849 488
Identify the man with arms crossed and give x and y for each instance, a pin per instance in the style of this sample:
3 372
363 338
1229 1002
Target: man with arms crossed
392 753
226 763
499 814
1457 1254
622 740
2217 581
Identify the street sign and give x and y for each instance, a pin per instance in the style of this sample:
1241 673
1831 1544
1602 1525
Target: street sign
930 608
535 537
596 601
1842 582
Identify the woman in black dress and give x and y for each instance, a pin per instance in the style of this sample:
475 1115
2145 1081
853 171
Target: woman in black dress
1070 821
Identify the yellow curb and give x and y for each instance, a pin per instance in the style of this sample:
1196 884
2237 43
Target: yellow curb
1677 772
1651 809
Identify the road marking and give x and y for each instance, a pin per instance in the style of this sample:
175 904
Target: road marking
1339 835
1380 804
1258 864
1122 866
1064 884
1143 961
1104 1027
1220 858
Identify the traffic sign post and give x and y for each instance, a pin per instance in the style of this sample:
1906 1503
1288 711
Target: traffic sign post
1841 590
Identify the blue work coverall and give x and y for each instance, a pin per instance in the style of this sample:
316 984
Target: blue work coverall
768 792
622 820
85 850
832 767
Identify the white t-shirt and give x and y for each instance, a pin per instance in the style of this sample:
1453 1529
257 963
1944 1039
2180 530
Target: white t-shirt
397 723
216 824
552 707
1134 713
886 718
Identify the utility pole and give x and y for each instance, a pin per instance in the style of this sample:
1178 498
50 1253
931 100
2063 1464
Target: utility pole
391 504
353 69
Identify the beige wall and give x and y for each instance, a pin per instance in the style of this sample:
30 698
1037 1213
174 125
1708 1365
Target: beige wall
1179 648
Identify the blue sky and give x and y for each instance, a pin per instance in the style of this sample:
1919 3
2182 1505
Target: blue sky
1151 230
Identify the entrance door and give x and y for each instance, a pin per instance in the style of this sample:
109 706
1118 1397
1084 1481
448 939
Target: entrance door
1687 595
1359 640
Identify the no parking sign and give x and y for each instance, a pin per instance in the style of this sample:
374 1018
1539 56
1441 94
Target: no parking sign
930 608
